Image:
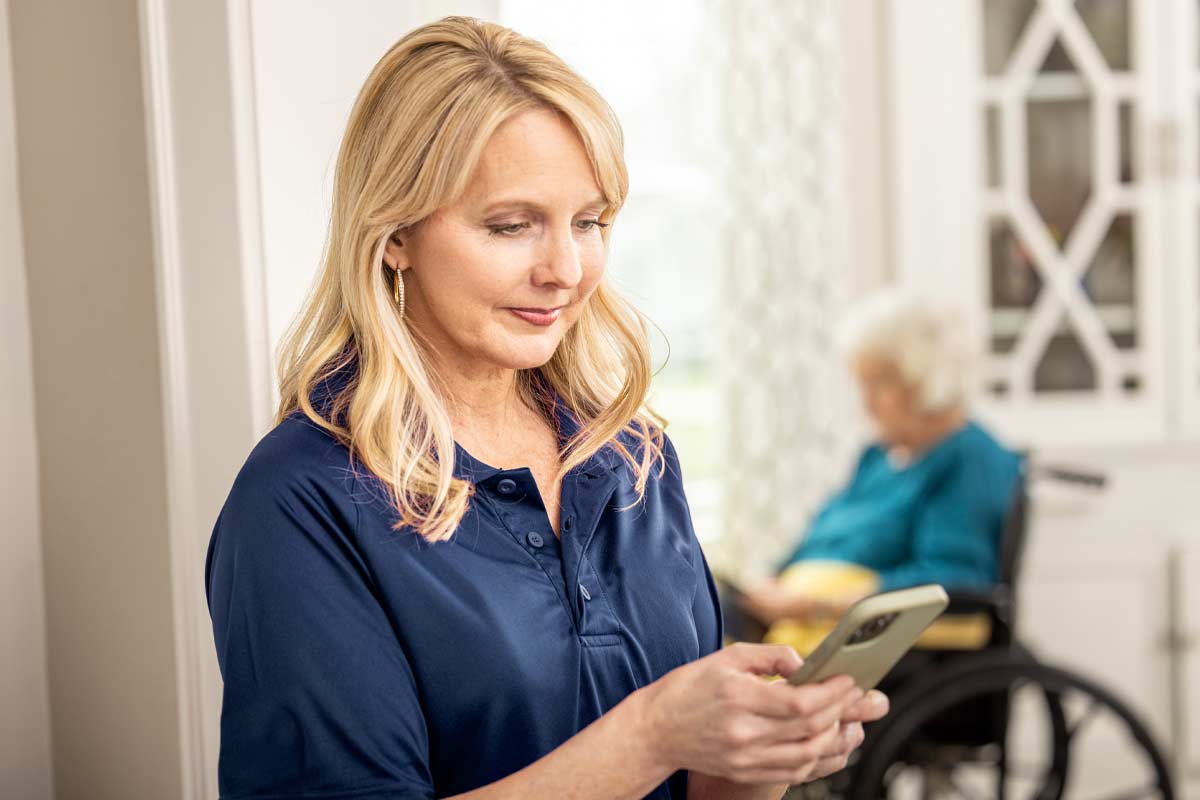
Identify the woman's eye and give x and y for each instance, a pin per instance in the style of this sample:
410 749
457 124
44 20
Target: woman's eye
510 229
513 228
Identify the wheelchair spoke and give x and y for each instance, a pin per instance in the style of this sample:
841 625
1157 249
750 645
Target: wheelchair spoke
963 792
1093 707
1148 790
1060 716
1027 771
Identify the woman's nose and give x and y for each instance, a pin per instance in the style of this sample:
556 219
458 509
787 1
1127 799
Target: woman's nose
560 262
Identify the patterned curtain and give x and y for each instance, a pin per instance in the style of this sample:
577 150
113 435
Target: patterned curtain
785 276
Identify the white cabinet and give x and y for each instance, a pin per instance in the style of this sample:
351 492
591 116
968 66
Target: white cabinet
1045 174
1045 177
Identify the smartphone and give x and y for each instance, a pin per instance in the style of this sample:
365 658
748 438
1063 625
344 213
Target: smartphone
873 635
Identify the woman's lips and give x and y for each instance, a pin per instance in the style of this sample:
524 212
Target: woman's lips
538 316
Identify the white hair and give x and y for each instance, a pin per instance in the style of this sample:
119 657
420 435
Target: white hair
930 345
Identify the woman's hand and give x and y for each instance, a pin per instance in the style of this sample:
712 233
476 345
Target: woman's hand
719 717
871 707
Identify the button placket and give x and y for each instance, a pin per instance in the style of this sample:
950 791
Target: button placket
521 518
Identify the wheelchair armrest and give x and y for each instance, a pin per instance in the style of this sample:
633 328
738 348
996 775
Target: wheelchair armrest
996 602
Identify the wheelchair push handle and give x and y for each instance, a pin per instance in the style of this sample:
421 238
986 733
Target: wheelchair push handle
1038 471
1097 480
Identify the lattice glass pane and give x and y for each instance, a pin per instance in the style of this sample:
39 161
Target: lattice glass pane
1064 366
1003 21
991 128
1060 161
1057 59
1108 22
1014 284
1125 143
1110 282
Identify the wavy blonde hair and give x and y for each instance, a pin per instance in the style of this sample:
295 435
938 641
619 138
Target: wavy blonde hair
414 137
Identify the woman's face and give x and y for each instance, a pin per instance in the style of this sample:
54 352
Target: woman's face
495 280
888 399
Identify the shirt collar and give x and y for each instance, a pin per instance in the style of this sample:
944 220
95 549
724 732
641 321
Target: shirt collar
467 467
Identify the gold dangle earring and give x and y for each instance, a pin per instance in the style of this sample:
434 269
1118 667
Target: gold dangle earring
398 292
398 284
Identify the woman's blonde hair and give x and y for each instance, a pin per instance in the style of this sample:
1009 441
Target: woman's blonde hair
414 137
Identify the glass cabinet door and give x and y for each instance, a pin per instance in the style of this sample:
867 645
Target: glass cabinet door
1047 194
1060 109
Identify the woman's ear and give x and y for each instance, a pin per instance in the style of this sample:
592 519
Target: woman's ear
394 253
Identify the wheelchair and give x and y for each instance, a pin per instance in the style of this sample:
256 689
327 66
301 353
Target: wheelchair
994 721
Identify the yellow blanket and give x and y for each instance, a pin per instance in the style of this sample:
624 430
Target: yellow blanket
832 580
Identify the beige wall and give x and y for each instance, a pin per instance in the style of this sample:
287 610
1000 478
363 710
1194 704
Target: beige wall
86 221
24 709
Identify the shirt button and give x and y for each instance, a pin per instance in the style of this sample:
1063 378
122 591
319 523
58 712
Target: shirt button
534 538
583 590
506 486
567 523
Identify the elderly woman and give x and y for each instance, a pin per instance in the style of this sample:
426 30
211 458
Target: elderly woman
927 500
461 563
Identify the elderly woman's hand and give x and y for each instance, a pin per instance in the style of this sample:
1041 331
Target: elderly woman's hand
718 716
769 602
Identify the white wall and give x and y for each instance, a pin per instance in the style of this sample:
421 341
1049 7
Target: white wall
24 705
309 60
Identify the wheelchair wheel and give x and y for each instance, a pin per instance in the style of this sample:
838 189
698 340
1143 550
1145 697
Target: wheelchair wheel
1044 748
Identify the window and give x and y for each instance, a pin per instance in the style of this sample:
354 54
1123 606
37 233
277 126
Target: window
666 245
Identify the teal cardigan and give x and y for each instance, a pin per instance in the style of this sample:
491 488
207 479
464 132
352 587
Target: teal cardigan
937 520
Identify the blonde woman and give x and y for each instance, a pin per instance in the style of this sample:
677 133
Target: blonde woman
462 563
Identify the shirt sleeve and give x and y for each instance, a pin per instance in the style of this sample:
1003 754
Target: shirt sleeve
706 607
954 534
319 699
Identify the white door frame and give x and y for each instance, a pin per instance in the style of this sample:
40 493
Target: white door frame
215 354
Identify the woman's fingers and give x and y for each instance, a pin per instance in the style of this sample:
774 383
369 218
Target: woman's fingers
827 766
850 735
832 748
783 701
874 705
853 736
763 659
796 753
820 719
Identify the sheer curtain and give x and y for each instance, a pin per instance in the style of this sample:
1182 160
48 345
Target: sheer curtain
785 276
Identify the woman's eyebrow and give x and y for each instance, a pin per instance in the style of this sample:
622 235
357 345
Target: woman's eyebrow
512 203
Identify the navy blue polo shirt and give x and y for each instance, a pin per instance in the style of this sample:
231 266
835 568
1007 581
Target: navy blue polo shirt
362 662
